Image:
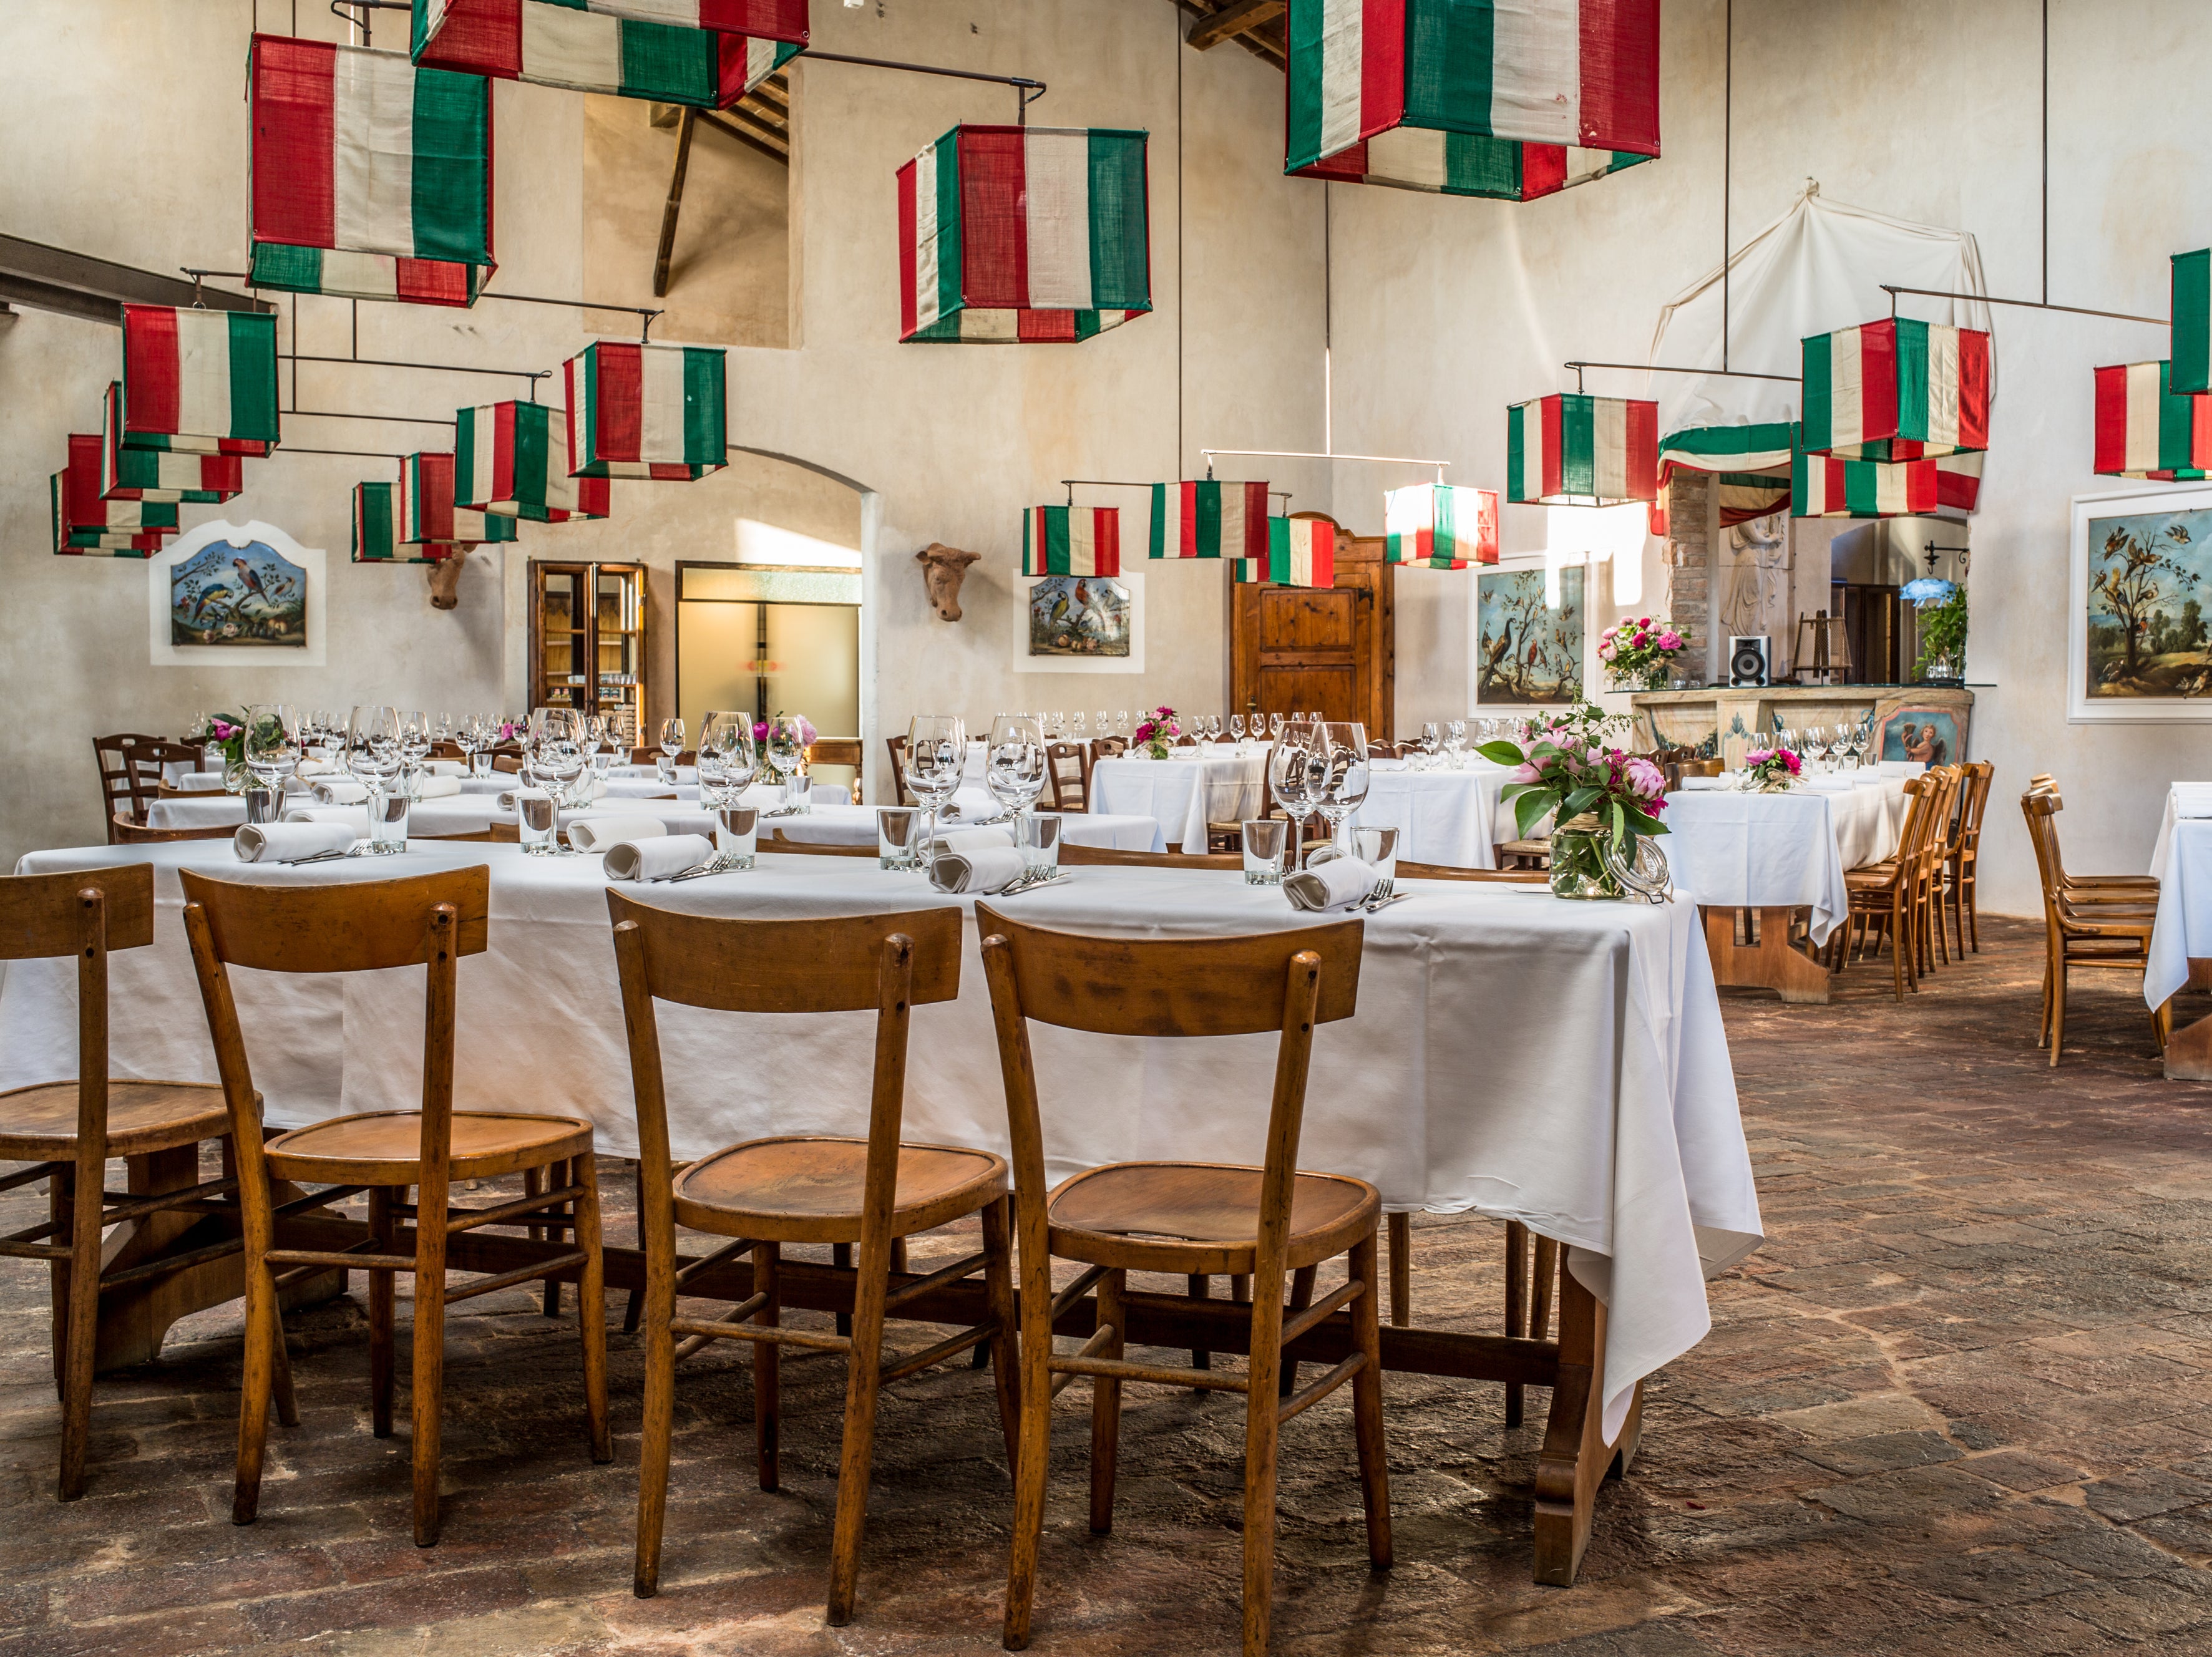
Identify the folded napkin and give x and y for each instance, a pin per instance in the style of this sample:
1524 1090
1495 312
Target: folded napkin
975 840
983 869
2193 799
280 843
313 767
597 834
1702 784
340 791
446 768
653 856
435 787
1339 884
200 782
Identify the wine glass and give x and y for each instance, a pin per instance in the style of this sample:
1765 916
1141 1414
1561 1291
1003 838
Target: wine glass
1105 723
1274 727
374 756
271 752
672 745
1237 731
1346 743
1455 743
1428 742
1298 777
1075 728
557 751
936 759
1014 763
728 761
415 739
1212 728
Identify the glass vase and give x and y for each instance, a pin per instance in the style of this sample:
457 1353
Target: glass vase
1579 869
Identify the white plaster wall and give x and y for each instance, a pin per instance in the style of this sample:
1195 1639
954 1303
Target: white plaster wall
1445 312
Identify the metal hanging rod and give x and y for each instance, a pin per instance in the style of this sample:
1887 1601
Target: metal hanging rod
1026 91
645 312
1893 290
1308 454
531 375
1663 368
336 414
1070 484
366 454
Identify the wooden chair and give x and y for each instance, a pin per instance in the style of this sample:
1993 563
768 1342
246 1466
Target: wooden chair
428 921
2102 927
838 750
764 1193
1408 870
67 1130
1190 1219
1884 895
122 831
653 755
1108 748
125 783
900 794
1073 856
1962 856
1068 775
1523 854
1929 940
506 764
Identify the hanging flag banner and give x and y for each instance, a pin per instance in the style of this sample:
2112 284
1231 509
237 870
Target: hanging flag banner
1301 552
371 178
1570 450
1470 98
1072 541
95 543
1207 518
85 522
654 411
427 514
506 461
199 381
1024 235
1441 526
1897 390
2144 430
2191 342
157 475
626 48
1822 486
375 527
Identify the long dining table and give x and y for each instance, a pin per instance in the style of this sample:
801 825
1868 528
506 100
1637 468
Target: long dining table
1560 1064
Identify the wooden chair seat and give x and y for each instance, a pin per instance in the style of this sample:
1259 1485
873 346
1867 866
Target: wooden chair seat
804 1189
38 1124
1871 876
385 1147
1201 1216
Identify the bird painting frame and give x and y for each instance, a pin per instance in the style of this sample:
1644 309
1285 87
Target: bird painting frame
227 595
1083 617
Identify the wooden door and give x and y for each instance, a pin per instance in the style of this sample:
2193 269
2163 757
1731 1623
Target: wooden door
1292 649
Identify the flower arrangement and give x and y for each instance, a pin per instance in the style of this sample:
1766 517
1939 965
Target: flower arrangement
1157 732
223 730
1770 770
1640 651
1580 725
1567 777
784 739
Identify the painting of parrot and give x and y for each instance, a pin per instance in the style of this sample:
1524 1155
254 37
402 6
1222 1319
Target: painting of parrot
229 595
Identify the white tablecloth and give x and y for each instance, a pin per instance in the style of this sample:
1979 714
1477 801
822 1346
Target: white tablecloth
1450 817
1183 795
1561 1064
1782 851
2182 863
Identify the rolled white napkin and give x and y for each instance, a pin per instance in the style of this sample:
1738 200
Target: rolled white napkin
446 768
280 843
1702 784
597 834
984 869
650 858
1339 883
436 787
975 840
312 766
340 791
200 782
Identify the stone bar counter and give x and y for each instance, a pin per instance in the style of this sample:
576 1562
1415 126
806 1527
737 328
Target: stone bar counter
1910 721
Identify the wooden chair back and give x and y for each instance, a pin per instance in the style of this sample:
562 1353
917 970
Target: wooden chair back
2041 807
835 751
1108 748
897 747
43 916
651 755
1974 800
1068 776
1078 856
122 831
126 784
508 764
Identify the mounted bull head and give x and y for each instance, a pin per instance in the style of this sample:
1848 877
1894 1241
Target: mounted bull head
445 578
943 569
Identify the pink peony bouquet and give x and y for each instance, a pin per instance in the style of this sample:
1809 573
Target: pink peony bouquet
1770 770
1566 774
1640 651
1157 732
223 730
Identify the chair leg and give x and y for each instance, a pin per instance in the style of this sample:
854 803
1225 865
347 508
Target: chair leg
1261 1426
426 1409
1547 1278
2058 1005
1031 1463
1199 1286
1106 1405
633 1308
1367 1407
592 1304
1302 1291
81 1332
1401 1270
1004 1345
863 1382
767 1365
261 1336
660 1409
381 1304
557 1177
1974 911
1517 1307
1896 950
841 1256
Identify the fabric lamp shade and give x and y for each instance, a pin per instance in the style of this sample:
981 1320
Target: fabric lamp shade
95 543
1024 235
376 526
199 380
156 474
1510 99
84 521
654 412
1749 465
1207 518
1822 486
371 177
1897 390
1570 450
627 48
507 461
1072 541
2146 430
1301 552
2191 340
1441 526
427 514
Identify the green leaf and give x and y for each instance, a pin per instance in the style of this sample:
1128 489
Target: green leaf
1643 822
1619 822
1501 752
1579 801
1528 811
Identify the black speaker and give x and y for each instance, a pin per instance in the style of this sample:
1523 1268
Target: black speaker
1749 659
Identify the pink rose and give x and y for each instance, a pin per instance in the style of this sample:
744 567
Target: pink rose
1790 760
1646 780
1606 651
1670 640
1758 756
1641 637
1644 621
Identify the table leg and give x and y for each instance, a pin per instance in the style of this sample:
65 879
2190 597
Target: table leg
2189 1048
1576 1460
1774 960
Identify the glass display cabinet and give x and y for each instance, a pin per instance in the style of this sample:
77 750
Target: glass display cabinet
588 642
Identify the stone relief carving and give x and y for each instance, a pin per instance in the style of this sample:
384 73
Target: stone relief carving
1755 579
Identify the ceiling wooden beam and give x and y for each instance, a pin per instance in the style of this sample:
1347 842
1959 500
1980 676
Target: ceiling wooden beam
721 122
1265 41
1233 19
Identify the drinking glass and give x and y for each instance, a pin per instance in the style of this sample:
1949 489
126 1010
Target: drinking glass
272 751
1213 727
728 762
1455 743
1237 731
414 740
539 820
556 752
784 750
1275 727
1430 740
736 836
898 837
936 758
1059 724
1036 837
1264 839
1121 723
1014 763
1298 776
672 745
372 756
1105 723
1347 745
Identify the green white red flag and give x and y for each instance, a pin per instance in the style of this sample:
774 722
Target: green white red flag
375 527
625 48
197 379
1301 552
1072 541
127 474
1573 450
1208 519
654 411
95 543
508 462
1897 390
2191 338
2146 430
427 514
1822 486
1441 526
83 522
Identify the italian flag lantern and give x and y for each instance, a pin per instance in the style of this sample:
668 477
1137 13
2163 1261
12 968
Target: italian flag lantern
2192 321
1512 99
2146 430
1072 541
706 53
375 527
1440 525
156 474
372 178
1822 486
96 544
654 412
196 380
1209 519
1301 552
1012 234
85 522
1897 390
1570 450
427 514
508 461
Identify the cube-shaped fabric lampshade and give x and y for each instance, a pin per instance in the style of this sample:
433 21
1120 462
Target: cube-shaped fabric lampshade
1570 450
426 515
372 178
375 527
1010 234
669 52
1897 390
127 474
1207 519
1822 486
2146 430
654 411
1442 525
1301 552
95 543
1072 541
509 461
84 520
199 381
2191 342
1513 98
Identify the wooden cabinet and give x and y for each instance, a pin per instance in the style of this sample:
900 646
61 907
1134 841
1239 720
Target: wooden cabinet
588 642
1332 649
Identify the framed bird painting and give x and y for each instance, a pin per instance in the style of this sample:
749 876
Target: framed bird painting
223 593
1081 616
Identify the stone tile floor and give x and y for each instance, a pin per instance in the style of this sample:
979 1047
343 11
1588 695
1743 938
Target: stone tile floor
1956 1404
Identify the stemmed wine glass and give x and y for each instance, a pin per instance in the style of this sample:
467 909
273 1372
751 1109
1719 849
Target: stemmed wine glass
1298 777
272 753
1346 789
1105 723
1274 727
374 756
936 759
1455 743
1429 741
1237 731
415 741
1014 763
672 745
728 762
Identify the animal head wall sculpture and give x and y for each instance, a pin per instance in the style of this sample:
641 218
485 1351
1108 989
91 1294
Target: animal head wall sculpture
943 569
446 577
